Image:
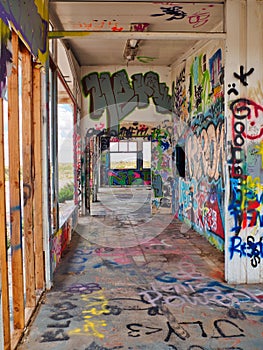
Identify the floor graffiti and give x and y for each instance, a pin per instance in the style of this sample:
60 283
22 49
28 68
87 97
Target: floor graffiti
158 295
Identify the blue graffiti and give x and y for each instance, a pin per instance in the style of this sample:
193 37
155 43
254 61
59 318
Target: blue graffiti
165 278
251 249
157 184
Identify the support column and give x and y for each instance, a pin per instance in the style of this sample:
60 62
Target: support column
244 136
15 191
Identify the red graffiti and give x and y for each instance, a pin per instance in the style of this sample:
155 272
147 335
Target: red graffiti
244 108
198 19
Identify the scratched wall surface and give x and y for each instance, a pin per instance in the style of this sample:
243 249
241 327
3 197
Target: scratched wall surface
198 100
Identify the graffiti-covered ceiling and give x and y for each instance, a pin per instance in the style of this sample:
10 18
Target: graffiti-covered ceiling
98 32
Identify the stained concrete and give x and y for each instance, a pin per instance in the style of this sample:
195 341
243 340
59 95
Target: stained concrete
129 280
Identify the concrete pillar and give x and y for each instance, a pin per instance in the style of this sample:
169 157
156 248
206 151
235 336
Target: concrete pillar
244 138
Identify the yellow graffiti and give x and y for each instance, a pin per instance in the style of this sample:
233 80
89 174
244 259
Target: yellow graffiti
42 7
4 32
254 184
256 92
260 152
96 306
89 327
69 33
145 59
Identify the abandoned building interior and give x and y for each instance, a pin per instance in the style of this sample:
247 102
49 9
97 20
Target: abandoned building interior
157 104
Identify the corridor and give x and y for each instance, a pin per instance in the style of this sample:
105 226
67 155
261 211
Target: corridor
131 175
132 280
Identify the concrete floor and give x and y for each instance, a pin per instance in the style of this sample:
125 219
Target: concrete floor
132 281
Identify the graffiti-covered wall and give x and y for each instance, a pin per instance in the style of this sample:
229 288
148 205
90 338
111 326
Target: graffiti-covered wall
60 239
111 96
33 32
199 156
244 99
130 105
161 166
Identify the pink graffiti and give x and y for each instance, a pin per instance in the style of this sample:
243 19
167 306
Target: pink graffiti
99 126
140 27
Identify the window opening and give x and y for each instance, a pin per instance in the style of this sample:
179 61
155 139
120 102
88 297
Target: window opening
123 155
146 153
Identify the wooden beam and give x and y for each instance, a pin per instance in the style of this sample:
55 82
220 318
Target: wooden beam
3 239
28 188
15 200
38 187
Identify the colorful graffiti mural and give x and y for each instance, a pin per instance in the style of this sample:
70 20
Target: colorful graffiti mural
161 165
199 129
245 207
61 238
119 96
30 18
129 177
33 32
136 129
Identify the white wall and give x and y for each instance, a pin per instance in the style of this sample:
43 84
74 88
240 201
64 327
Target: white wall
244 111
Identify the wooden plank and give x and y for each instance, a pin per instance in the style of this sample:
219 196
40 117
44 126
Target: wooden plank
15 200
28 188
38 195
3 239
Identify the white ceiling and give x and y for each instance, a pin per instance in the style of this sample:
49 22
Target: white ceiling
102 28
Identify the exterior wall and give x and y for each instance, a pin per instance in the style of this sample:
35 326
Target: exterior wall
244 110
199 130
